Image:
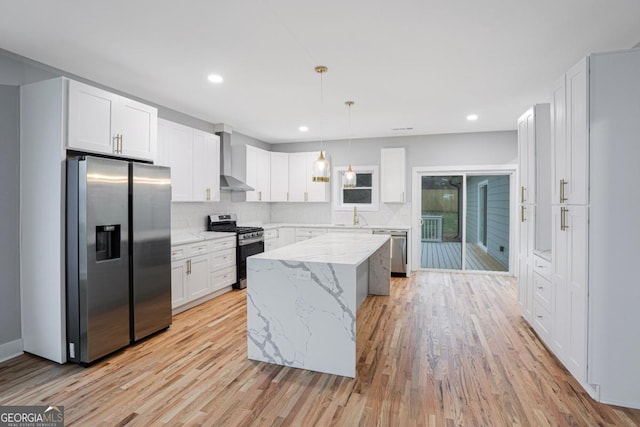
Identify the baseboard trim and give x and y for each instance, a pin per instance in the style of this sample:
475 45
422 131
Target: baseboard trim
11 349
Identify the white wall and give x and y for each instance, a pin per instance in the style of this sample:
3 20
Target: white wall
9 215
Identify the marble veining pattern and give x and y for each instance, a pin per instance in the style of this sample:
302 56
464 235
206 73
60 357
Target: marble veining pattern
303 313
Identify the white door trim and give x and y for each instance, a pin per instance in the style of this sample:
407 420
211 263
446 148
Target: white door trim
485 184
416 187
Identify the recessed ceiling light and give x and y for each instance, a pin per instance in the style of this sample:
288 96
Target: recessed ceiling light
215 78
303 128
472 117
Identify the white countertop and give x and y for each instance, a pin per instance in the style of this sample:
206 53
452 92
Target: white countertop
185 237
331 248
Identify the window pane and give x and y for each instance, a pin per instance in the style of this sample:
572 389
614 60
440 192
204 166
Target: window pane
356 195
364 179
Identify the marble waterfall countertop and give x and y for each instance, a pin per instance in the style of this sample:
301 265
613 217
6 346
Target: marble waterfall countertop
334 248
302 299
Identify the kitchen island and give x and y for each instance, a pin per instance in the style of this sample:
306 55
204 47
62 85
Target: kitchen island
302 300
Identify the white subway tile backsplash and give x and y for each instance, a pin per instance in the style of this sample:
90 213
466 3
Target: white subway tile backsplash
193 216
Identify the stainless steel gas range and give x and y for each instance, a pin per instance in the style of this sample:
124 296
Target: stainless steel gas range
250 241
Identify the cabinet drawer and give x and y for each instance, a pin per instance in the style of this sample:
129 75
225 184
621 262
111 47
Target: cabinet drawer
220 244
542 320
543 290
223 259
198 249
222 278
271 234
270 245
542 267
179 252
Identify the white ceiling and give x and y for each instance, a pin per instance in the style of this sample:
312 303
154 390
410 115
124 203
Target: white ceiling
424 64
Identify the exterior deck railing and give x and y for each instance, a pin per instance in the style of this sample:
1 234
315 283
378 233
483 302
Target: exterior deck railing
431 228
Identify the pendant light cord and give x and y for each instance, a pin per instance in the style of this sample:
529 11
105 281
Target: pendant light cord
321 113
350 151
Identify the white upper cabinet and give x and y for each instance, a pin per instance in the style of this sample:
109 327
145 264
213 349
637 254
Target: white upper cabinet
137 125
106 123
206 166
569 136
526 157
393 175
258 174
298 177
194 159
301 186
279 177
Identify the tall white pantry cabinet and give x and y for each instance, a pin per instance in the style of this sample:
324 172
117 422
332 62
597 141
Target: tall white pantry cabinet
595 150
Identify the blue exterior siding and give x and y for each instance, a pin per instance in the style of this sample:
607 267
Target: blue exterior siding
497 214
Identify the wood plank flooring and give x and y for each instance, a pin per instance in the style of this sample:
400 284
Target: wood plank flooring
444 349
448 256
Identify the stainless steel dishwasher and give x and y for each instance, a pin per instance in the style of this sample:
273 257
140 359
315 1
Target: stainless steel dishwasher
398 250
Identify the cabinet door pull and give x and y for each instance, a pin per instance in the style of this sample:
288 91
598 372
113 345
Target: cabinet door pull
563 218
208 194
259 196
522 217
562 190
188 266
116 143
522 198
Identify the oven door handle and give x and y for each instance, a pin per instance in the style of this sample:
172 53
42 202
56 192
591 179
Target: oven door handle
250 241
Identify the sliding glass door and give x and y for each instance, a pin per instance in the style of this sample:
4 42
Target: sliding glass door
465 221
441 222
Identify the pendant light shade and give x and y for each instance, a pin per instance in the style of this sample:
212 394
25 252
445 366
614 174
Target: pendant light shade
321 167
349 177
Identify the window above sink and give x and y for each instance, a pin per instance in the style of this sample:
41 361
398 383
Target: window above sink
364 196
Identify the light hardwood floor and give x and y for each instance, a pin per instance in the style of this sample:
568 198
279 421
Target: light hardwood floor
444 349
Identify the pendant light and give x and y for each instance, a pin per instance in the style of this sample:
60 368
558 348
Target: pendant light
349 177
321 167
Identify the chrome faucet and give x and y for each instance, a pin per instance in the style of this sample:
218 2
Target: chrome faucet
355 215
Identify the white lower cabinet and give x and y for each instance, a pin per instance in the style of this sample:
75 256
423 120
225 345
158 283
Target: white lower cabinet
197 276
222 263
271 239
178 283
286 236
189 268
542 294
200 269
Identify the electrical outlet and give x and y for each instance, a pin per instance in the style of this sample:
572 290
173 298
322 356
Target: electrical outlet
501 248
72 350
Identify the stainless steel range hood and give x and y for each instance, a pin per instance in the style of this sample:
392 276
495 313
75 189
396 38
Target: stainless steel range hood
227 181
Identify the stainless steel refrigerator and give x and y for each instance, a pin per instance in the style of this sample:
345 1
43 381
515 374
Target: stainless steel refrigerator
118 254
